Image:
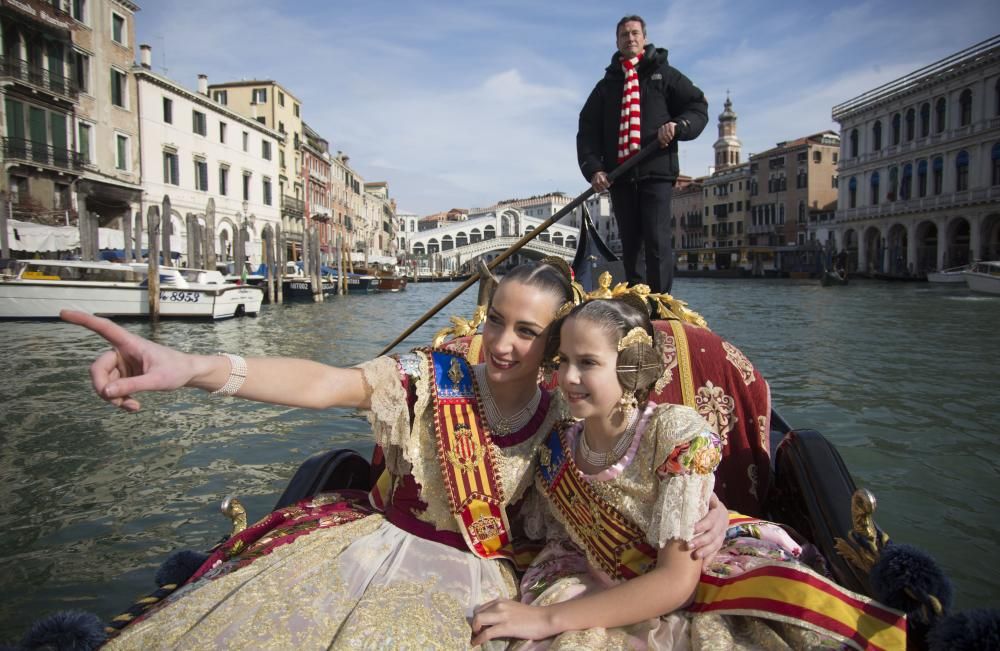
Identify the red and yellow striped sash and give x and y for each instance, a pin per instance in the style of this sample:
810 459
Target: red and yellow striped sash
795 594
618 546
465 452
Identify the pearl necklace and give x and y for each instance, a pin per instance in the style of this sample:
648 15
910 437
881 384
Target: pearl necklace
608 457
499 424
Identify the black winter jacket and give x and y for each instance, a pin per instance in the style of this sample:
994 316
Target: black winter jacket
665 95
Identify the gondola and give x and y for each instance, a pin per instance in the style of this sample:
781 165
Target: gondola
832 278
811 492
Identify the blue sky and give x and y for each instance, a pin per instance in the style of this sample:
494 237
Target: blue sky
462 104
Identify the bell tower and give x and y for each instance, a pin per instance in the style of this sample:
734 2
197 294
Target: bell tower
728 146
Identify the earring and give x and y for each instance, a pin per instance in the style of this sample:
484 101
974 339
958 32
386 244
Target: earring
627 404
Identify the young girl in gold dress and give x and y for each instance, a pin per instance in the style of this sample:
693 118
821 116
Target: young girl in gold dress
622 489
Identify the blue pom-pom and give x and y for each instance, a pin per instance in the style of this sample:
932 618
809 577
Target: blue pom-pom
971 630
179 567
903 566
70 630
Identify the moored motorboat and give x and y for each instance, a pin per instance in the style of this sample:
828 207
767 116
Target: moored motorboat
983 277
951 276
41 288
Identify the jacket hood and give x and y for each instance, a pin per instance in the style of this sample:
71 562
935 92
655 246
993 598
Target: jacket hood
650 55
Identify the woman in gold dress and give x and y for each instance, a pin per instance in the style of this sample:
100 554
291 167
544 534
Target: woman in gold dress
407 570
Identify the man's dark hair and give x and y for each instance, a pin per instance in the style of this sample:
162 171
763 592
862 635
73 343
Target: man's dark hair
631 19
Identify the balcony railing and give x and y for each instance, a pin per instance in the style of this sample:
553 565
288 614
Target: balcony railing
39 153
38 78
292 205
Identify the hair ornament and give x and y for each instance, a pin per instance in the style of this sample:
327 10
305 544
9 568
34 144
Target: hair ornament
634 336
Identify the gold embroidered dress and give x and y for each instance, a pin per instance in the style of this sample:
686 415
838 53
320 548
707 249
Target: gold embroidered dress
660 489
404 579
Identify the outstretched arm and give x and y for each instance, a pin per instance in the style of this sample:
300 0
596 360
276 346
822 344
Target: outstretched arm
666 588
136 364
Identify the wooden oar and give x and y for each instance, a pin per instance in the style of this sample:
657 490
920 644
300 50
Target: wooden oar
516 246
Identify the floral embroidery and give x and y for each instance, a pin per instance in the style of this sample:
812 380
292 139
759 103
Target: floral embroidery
717 408
762 432
740 361
698 456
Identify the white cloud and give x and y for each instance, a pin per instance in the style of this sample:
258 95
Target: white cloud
462 104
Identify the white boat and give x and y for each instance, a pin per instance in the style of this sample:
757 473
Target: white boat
950 276
41 288
984 277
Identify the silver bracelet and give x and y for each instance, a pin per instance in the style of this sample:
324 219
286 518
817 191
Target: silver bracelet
237 375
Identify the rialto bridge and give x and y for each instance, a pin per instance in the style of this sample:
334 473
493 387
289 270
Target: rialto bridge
452 246
920 235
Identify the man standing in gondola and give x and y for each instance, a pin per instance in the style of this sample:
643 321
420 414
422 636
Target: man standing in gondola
641 97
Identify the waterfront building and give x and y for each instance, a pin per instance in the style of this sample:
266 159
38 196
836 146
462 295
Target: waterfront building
193 148
317 206
107 124
271 104
791 186
687 221
37 81
920 168
406 227
379 222
439 219
725 213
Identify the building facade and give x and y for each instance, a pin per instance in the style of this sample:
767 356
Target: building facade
107 123
271 104
194 149
920 168
38 112
317 179
789 184
687 220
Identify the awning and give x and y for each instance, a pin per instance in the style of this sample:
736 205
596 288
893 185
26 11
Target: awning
40 238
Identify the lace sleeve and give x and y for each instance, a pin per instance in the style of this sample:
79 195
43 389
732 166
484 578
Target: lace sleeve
691 451
389 414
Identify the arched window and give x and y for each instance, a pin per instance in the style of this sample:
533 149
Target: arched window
911 125
852 193
939 114
854 145
965 108
489 232
962 171
996 98
937 170
433 246
995 160
925 119
557 239
895 129
922 178
475 236
877 135
893 183
906 184
875 188
447 243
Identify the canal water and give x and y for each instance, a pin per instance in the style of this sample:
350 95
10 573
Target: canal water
901 377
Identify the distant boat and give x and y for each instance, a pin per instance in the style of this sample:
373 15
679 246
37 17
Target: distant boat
41 288
830 278
983 277
950 276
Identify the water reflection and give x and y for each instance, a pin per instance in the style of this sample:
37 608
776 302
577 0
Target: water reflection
900 377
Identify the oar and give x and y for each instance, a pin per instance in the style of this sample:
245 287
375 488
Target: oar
516 246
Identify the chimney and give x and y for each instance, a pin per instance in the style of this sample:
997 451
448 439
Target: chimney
203 84
146 56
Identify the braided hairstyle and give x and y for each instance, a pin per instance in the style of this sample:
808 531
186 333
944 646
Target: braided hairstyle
640 364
